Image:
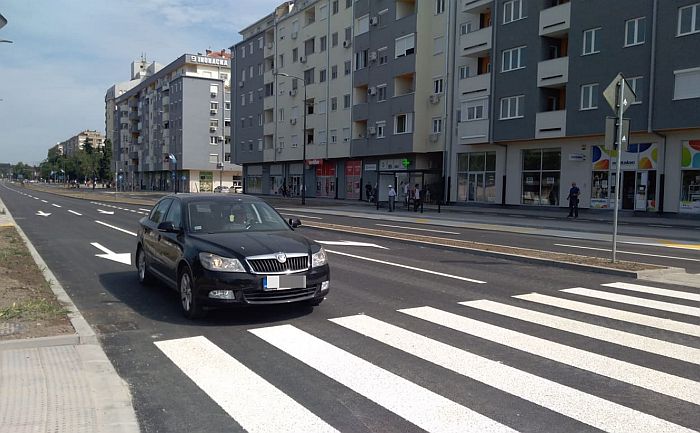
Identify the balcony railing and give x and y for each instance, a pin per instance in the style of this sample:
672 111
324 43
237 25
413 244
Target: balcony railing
556 20
477 85
475 6
550 124
553 73
477 42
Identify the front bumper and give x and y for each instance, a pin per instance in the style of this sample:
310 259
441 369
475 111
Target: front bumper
248 288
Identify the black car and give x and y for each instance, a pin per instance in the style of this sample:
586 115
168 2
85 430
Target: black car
223 250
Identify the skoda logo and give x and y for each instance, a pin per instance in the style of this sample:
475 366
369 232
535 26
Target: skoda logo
281 257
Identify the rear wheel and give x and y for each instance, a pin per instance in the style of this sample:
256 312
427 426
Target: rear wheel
189 303
145 276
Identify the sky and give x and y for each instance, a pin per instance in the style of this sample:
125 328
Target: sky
66 54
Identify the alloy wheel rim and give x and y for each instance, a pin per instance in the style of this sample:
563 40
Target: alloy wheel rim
186 292
142 266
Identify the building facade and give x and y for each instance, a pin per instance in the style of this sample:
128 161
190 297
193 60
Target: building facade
78 142
484 101
172 129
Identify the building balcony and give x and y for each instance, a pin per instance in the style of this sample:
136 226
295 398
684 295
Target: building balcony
555 21
166 100
124 119
476 6
553 73
476 43
473 131
269 102
360 111
134 156
478 85
269 128
550 124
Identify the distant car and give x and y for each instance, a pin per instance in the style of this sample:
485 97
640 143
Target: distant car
221 250
238 189
221 189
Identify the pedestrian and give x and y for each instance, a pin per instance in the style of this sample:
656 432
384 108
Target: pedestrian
416 198
392 198
406 190
573 200
368 192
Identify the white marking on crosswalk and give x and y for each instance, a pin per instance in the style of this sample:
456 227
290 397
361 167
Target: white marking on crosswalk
632 300
644 377
655 291
253 402
399 265
422 407
611 313
652 345
586 408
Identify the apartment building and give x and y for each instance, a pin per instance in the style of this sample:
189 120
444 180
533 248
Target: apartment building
529 82
347 82
484 101
180 110
77 142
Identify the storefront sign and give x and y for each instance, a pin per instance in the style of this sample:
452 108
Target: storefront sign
577 157
208 60
314 161
370 167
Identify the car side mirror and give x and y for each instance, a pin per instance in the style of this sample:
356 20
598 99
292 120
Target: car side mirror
294 223
167 227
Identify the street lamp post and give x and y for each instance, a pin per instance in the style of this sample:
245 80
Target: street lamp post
303 139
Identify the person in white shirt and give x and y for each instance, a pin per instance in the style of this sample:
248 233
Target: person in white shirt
392 198
416 198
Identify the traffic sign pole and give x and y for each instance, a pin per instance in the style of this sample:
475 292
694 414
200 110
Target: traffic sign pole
620 110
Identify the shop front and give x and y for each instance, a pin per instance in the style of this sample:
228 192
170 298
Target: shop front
353 177
277 182
325 177
690 177
476 177
541 175
253 179
206 181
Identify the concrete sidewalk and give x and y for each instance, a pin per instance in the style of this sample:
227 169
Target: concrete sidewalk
63 383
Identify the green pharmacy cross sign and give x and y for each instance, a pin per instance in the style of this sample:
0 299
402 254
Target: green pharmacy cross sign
405 163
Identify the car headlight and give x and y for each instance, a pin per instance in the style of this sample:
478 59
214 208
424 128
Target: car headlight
213 262
319 258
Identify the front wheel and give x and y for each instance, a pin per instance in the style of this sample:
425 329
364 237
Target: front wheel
144 274
189 303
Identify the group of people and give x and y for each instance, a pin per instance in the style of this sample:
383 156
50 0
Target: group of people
407 193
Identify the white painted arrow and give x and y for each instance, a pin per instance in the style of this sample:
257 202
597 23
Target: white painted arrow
352 244
111 255
107 212
44 214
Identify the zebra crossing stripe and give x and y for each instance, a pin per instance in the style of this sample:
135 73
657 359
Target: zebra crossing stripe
611 313
253 402
657 381
575 404
655 291
632 300
424 408
634 341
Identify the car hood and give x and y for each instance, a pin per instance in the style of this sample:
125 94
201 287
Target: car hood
246 244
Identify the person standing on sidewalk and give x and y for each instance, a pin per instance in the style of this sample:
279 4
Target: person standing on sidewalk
573 200
406 191
416 198
392 198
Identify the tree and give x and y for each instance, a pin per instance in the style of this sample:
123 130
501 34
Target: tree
105 162
22 171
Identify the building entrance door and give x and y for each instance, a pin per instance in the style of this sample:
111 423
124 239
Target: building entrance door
476 187
628 190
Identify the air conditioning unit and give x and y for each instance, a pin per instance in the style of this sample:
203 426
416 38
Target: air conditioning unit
294 35
212 128
372 91
374 21
213 111
293 121
293 92
373 56
434 99
434 137
302 59
372 130
347 43
241 83
269 45
220 138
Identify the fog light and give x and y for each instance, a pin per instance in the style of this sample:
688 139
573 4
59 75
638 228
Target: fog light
325 285
222 294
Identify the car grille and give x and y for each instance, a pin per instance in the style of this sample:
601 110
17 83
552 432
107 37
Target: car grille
280 296
270 265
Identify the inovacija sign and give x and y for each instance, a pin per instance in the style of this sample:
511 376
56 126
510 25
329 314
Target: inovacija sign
208 60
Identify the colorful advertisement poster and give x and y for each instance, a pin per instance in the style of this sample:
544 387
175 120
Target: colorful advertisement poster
690 174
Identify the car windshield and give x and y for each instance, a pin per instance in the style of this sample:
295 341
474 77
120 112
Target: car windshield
232 216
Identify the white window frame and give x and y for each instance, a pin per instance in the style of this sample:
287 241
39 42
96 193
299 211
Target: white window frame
362 24
404 44
633 82
509 54
438 45
691 71
589 103
469 110
588 34
507 102
439 7
694 21
381 89
436 125
381 129
438 86
409 123
464 72
513 11
635 22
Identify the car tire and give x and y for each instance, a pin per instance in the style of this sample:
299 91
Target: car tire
145 276
188 301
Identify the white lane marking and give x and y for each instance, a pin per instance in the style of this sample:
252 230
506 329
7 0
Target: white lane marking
399 265
611 313
124 258
417 229
352 244
631 300
55 205
252 401
74 212
586 408
424 408
628 252
657 381
44 201
655 291
116 228
131 210
43 214
145 210
106 212
678 246
35 198
301 216
660 226
651 345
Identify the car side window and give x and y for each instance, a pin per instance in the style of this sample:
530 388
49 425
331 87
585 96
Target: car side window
158 212
175 214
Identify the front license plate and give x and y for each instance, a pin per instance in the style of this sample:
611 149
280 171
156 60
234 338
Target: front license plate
282 282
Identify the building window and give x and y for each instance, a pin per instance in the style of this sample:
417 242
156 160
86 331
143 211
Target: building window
362 25
243 100
323 41
334 136
334 7
322 74
439 7
403 123
346 101
463 72
512 11
465 28
513 59
687 84
381 129
541 174
590 41
309 46
636 83
361 59
474 110
437 125
348 33
334 103
589 96
438 45
438 85
405 45
512 107
688 21
635 31
381 93
334 72
348 67
334 39
383 55
309 76
212 140
476 174
346 135
295 55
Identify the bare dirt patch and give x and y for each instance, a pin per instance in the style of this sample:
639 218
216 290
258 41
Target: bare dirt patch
28 307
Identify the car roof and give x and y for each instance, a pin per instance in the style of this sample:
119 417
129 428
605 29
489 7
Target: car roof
197 197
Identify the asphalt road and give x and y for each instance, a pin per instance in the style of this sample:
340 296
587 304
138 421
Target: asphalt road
391 349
